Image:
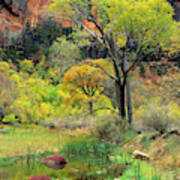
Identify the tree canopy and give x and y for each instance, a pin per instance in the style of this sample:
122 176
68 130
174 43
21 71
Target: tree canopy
127 29
84 82
148 21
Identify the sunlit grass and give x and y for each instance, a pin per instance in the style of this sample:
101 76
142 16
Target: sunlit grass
19 141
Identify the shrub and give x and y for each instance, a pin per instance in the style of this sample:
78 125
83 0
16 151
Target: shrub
70 122
27 66
112 128
11 118
33 99
8 91
156 117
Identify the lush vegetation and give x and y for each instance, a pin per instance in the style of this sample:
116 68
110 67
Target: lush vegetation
88 157
94 93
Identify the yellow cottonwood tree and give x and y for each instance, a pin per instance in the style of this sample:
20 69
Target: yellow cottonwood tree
84 82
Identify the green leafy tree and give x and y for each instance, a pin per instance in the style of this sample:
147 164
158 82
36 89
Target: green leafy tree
126 28
63 55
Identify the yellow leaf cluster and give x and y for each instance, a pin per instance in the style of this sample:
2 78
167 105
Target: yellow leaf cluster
84 78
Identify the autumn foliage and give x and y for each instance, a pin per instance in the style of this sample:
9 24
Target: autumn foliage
84 82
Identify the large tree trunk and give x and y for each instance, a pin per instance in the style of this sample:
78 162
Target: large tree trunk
119 86
91 107
120 99
129 104
128 93
123 104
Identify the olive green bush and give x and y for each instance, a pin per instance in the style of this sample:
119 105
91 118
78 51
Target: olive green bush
112 128
156 117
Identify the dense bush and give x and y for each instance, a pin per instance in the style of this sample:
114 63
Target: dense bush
8 91
22 96
112 129
34 94
157 117
30 97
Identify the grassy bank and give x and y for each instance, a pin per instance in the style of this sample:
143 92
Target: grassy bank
88 158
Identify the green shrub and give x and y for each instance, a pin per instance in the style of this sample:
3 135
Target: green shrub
10 118
112 128
156 117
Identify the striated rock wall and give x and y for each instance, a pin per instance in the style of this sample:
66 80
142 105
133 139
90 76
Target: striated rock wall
35 9
15 13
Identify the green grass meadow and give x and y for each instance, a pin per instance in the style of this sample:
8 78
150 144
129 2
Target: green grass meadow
88 158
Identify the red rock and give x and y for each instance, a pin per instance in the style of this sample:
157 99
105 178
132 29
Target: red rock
40 177
55 162
20 12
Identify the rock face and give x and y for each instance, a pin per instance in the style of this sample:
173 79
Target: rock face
14 14
55 162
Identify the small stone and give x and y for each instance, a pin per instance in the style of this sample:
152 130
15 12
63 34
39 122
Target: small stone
140 155
74 171
55 162
4 130
40 177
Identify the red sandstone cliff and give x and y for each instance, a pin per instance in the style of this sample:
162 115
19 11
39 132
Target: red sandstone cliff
15 13
21 12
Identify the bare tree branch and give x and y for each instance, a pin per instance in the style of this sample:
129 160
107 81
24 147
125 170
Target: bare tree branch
92 33
135 61
107 42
